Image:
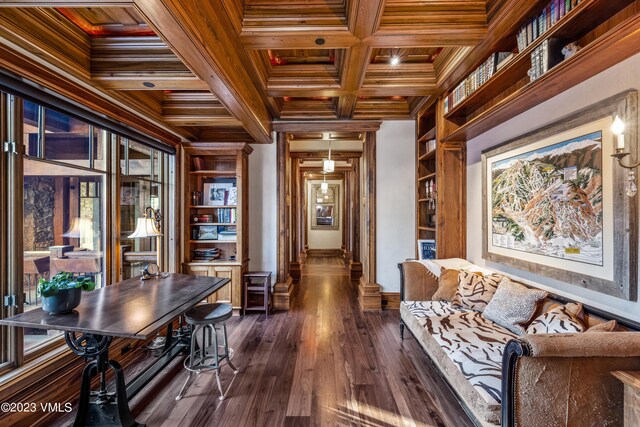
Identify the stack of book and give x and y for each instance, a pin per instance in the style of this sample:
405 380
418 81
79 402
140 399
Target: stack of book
536 27
208 254
476 79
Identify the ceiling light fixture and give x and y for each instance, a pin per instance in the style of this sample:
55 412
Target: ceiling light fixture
148 84
324 186
320 41
328 165
395 60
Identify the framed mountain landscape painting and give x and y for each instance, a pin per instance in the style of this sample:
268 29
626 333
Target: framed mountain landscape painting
554 201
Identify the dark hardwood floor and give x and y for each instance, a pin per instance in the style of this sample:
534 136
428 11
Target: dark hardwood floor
324 362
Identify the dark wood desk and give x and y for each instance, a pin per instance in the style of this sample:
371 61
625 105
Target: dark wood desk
129 309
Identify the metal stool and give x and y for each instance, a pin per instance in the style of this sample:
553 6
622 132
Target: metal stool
206 354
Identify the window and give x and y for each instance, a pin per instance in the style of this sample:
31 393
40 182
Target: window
65 207
142 186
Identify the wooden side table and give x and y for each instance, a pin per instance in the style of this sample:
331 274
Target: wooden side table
631 380
257 291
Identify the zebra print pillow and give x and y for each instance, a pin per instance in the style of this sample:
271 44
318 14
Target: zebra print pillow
474 292
559 320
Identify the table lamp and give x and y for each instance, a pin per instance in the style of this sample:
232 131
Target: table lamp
149 226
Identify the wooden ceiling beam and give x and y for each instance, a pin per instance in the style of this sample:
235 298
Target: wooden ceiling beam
66 3
326 125
203 36
445 37
297 38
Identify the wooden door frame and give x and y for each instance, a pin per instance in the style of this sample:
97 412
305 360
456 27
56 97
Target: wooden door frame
363 205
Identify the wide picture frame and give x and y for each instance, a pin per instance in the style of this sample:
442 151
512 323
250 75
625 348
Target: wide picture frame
555 202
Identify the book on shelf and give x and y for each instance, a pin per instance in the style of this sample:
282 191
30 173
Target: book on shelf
536 27
207 254
544 57
476 79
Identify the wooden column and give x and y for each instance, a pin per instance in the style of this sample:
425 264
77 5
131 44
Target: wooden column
295 220
284 285
356 200
369 295
346 214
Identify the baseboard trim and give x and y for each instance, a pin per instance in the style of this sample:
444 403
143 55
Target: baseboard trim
325 252
390 300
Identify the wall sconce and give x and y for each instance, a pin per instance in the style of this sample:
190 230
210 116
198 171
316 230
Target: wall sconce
618 129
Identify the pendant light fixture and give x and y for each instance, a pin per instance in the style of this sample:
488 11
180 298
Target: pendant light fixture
324 186
328 165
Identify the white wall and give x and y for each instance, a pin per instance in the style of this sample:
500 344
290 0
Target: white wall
263 205
610 82
326 238
396 204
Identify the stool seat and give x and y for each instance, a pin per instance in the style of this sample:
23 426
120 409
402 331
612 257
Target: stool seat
207 314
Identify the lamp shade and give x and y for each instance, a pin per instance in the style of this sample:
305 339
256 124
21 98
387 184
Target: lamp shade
79 227
328 166
146 227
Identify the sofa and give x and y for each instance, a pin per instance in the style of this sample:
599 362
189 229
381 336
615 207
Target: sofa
504 378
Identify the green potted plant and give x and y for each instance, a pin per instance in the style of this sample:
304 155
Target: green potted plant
61 294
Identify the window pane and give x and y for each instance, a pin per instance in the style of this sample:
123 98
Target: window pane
100 144
139 160
135 196
30 132
66 139
63 231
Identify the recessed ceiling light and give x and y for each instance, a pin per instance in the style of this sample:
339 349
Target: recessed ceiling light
320 41
148 84
395 60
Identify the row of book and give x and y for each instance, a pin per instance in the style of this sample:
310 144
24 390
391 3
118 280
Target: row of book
225 215
536 27
544 57
477 78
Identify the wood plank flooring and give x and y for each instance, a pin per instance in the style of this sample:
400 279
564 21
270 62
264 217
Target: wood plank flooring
324 362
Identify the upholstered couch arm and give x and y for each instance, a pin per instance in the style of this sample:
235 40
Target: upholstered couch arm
565 379
417 282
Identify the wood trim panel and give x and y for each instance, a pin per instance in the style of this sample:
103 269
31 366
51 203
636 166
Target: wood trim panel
323 125
203 36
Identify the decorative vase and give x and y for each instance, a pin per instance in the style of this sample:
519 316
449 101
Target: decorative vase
62 302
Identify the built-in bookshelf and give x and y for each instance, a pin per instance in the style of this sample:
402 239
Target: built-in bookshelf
215 239
440 183
603 30
426 184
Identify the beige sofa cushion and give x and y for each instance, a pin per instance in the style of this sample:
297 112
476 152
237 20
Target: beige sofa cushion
447 285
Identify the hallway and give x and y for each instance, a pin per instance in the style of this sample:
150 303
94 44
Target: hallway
320 363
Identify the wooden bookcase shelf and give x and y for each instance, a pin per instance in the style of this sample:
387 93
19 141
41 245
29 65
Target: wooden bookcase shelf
475 115
227 166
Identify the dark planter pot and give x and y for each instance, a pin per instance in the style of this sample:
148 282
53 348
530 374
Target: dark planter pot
62 302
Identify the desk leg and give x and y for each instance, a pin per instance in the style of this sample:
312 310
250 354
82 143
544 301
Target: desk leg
100 408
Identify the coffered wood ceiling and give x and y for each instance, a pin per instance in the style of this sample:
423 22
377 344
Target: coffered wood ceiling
226 69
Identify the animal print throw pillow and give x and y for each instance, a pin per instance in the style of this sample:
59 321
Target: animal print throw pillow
558 320
474 292
513 306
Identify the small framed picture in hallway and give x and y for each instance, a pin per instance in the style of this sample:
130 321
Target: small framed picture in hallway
325 207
